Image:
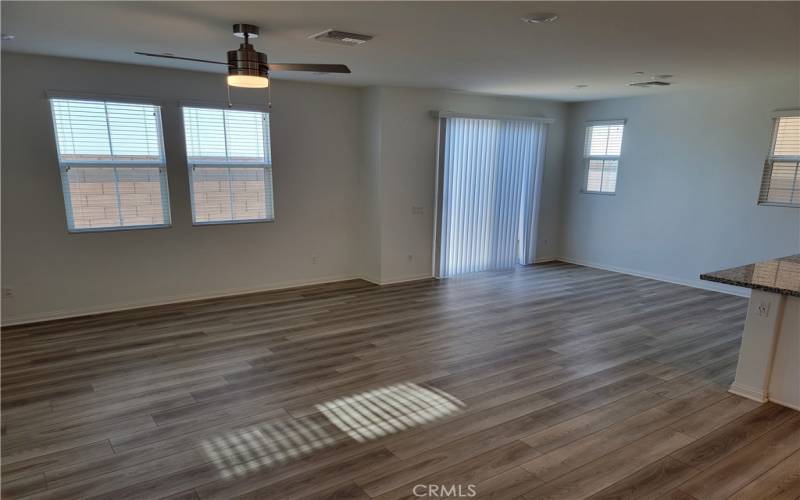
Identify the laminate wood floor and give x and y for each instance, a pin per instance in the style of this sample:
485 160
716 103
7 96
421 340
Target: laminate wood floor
554 381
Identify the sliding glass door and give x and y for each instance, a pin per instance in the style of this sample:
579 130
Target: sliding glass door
488 185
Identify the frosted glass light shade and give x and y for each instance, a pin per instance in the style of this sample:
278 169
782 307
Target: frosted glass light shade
248 81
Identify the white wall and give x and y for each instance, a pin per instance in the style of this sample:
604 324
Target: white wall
317 150
406 171
687 187
369 181
349 165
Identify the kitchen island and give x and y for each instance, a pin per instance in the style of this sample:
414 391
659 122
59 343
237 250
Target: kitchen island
769 359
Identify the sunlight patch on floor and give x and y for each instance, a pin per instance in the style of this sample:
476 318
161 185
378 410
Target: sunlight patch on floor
377 413
363 417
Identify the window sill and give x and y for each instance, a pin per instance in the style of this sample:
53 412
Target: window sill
776 204
598 192
231 222
117 229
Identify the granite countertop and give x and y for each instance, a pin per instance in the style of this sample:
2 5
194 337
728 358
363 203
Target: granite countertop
777 276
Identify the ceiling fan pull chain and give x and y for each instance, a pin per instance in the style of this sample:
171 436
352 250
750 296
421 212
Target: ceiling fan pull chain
269 98
227 86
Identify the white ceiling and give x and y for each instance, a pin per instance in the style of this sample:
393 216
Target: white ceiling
480 47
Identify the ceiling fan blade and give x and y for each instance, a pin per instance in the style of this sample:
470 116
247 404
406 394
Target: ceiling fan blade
165 56
317 68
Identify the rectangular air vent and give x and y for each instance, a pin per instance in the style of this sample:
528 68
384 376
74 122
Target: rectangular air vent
341 37
651 83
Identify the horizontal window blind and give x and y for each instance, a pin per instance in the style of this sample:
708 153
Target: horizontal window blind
602 149
111 157
780 183
602 176
230 165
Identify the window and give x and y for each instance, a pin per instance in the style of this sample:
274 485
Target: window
601 155
780 184
230 165
111 157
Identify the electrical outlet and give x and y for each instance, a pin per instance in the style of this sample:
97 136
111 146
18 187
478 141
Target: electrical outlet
763 309
314 259
410 257
8 293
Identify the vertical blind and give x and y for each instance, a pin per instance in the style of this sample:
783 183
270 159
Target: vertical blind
111 157
230 165
602 150
780 184
489 193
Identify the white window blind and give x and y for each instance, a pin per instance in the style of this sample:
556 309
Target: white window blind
111 156
602 150
230 165
780 184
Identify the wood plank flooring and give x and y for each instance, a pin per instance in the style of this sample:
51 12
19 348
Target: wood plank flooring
554 381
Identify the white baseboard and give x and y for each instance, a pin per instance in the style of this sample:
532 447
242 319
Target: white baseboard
371 279
123 306
698 283
759 396
393 281
542 260
404 279
173 299
748 392
793 406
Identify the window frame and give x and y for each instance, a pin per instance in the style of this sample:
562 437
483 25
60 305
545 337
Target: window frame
587 158
191 166
65 165
766 174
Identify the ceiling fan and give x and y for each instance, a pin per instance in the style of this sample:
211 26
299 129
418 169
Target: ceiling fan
249 68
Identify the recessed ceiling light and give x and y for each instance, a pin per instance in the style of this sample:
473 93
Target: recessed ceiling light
664 77
581 86
6 36
540 17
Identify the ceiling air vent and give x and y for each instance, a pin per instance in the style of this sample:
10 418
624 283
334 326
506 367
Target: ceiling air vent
651 83
341 37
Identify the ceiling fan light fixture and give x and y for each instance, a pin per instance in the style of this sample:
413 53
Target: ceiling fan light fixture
248 81
247 68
